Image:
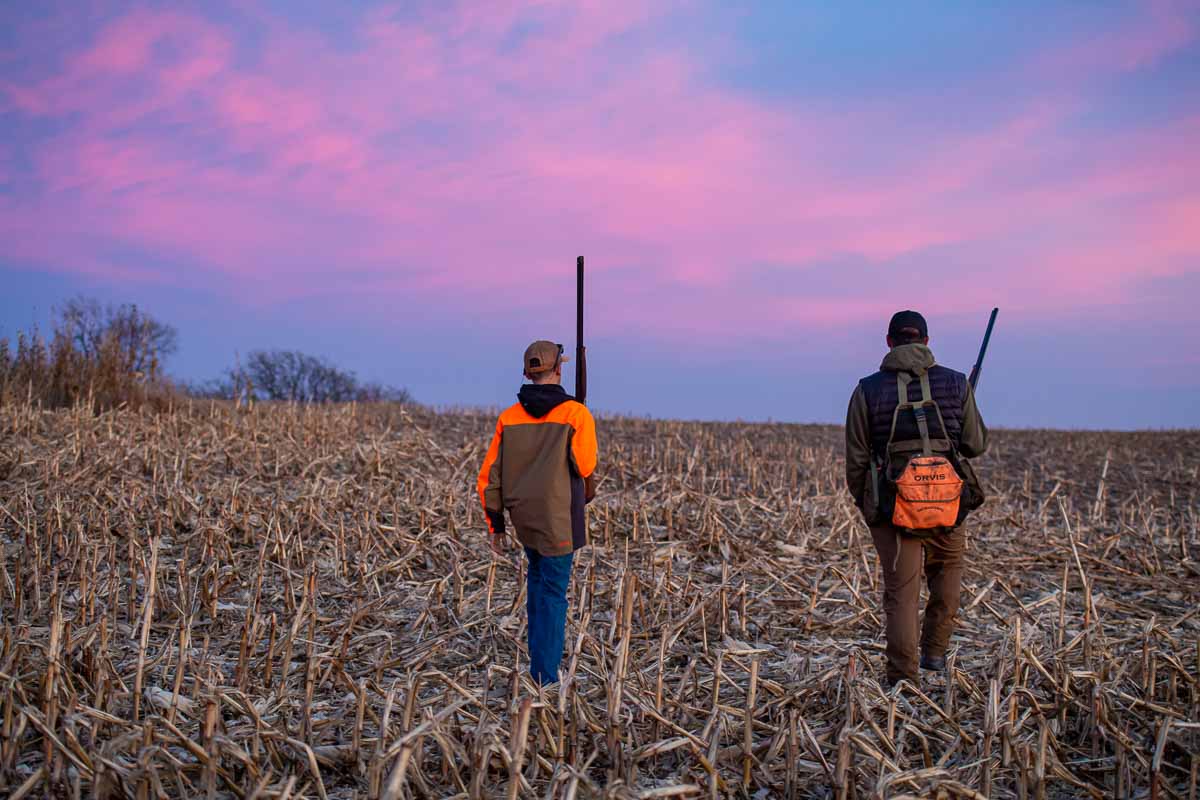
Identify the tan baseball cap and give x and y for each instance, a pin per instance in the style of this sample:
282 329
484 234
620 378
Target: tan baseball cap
542 356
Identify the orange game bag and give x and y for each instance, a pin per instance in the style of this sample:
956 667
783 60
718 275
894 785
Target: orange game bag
928 491
927 494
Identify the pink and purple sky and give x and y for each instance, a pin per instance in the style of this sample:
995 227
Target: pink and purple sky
403 189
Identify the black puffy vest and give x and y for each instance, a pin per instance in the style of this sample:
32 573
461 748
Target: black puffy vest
949 389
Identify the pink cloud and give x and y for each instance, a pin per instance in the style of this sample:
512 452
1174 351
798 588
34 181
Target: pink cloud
1163 27
440 145
125 45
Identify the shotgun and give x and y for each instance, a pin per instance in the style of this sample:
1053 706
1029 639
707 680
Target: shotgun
987 336
580 350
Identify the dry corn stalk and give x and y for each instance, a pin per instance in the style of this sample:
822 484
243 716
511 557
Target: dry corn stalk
286 601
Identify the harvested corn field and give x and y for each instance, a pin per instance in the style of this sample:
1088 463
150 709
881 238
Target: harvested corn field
294 602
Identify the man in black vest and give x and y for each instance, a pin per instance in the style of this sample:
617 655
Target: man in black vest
868 432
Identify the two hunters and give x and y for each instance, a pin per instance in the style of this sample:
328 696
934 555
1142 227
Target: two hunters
910 428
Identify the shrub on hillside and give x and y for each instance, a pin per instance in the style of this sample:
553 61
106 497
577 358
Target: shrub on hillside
295 377
104 356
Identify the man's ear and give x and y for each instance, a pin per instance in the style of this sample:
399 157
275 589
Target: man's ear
890 342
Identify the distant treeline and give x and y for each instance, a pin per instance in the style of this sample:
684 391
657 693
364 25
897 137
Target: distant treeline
106 356
297 378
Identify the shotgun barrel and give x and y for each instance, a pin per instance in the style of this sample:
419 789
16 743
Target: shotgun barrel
987 337
580 350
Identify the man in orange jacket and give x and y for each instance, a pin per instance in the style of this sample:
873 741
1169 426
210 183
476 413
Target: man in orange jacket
540 468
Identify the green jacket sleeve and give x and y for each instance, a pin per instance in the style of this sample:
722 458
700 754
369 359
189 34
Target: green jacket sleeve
858 445
974 433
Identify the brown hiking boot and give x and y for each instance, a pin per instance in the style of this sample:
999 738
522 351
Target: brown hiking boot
933 663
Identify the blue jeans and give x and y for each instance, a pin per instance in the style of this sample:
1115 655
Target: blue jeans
546 604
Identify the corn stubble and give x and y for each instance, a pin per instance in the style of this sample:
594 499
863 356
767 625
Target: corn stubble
290 602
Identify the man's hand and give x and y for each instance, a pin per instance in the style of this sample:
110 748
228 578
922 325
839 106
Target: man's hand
500 544
496 533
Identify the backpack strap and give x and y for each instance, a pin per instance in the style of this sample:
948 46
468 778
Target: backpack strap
919 413
902 403
917 407
927 399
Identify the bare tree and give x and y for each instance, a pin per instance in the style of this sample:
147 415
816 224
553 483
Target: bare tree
292 376
379 393
140 341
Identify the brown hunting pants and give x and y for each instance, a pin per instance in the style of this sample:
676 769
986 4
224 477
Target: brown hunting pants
941 558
